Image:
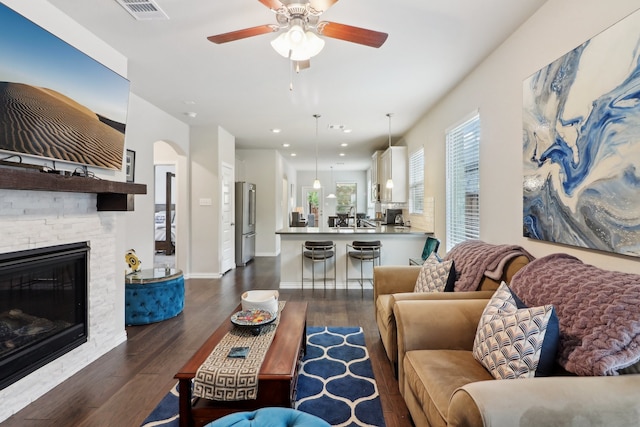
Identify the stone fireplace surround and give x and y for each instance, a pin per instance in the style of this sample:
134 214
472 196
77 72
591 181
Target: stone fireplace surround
35 219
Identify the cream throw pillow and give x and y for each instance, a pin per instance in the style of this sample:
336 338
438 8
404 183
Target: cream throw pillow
509 340
434 275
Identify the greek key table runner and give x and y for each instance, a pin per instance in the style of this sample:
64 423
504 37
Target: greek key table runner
226 378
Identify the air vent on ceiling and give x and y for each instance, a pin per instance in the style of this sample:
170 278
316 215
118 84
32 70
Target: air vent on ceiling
143 9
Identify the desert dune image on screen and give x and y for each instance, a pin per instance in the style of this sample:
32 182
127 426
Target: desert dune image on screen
55 101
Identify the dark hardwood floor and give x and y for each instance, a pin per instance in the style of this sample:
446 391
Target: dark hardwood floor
123 386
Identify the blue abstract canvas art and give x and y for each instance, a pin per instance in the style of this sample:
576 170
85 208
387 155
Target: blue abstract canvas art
581 142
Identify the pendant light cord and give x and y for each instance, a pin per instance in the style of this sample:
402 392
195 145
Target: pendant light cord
389 115
390 153
317 116
316 182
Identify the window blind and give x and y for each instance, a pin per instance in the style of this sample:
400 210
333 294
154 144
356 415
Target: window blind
463 181
416 182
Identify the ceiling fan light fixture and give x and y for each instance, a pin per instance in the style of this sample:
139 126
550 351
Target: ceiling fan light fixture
298 45
296 35
314 44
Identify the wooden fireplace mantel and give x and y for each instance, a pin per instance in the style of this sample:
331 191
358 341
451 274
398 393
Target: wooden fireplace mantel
112 195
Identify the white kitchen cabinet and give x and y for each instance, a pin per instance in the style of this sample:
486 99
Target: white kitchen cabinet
376 183
393 162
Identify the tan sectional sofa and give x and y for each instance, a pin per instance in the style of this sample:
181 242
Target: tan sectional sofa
444 385
396 283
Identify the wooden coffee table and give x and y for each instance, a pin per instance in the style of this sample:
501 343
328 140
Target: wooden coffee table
278 375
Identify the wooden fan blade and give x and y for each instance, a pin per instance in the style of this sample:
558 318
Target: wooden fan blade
243 34
322 5
352 34
273 4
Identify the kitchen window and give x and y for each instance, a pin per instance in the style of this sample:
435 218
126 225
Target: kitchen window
463 181
416 182
346 197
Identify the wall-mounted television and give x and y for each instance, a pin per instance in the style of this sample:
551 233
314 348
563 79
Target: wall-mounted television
55 101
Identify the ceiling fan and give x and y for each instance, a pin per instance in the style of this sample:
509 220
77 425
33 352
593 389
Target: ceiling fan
301 19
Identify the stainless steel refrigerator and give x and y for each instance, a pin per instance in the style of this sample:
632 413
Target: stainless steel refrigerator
245 223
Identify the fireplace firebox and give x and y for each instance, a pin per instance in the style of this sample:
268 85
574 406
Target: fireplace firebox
43 307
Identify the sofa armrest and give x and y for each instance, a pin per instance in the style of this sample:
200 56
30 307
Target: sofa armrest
393 279
436 325
594 401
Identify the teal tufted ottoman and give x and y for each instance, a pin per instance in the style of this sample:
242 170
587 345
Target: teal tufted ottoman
153 295
270 417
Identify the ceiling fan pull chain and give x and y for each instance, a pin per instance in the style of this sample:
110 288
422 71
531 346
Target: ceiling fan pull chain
291 76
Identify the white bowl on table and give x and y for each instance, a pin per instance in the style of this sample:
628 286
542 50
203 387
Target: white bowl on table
261 300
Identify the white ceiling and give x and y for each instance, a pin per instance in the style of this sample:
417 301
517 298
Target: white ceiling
244 85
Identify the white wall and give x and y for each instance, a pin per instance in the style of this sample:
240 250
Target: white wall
204 194
210 146
146 125
261 167
495 88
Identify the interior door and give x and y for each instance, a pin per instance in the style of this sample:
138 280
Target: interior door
227 215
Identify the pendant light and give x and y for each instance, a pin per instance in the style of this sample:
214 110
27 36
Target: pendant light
316 182
390 180
331 195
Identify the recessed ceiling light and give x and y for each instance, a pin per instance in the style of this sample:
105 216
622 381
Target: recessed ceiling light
336 127
286 145
344 144
191 114
342 154
276 130
347 131
293 154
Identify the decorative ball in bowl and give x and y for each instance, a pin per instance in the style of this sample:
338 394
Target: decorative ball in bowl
253 317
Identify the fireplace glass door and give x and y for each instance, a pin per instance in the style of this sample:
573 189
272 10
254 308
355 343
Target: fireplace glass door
43 307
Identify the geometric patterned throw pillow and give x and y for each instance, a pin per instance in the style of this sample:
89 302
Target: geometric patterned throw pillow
434 276
432 259
509 340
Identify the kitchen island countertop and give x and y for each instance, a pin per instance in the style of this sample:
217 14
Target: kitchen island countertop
398 245
383 229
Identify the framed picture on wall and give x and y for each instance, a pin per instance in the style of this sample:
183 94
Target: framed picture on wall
130 165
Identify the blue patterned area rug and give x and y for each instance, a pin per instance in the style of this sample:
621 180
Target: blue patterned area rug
335 382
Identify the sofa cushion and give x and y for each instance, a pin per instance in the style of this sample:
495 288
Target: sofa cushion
510 340
435 275
433 375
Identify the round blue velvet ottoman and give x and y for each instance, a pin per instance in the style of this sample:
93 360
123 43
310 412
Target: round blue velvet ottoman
270 417
153 295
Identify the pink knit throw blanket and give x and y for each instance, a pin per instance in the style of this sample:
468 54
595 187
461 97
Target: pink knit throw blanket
475 258
598 311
